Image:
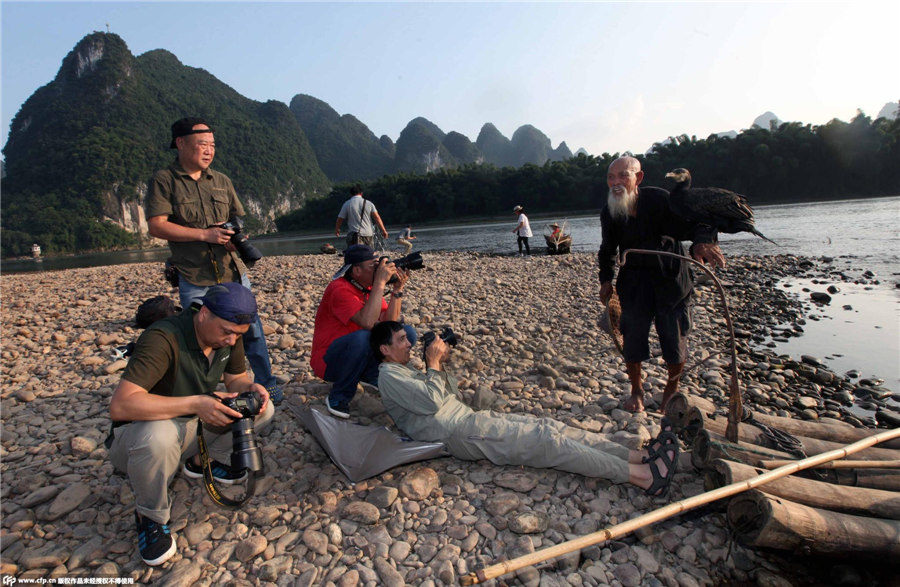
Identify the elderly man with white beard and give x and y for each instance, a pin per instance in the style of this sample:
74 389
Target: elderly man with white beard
650 287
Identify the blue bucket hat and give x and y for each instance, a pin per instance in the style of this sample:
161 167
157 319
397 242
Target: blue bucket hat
231 302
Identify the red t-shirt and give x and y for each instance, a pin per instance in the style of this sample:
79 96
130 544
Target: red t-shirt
340 302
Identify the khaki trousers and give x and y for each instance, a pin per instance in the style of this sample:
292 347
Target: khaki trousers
151 452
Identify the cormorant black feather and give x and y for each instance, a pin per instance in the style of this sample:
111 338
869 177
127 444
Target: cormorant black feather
724 210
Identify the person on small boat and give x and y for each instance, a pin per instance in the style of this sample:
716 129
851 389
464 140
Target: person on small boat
556 234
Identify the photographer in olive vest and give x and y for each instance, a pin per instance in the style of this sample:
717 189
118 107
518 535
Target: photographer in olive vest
197 210
168 386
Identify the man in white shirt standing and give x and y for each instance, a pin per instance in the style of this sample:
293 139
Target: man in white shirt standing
522 230
361 217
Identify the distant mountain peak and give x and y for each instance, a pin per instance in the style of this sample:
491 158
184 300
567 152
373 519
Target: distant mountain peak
766 121
890 111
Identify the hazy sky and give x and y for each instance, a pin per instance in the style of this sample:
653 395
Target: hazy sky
604 76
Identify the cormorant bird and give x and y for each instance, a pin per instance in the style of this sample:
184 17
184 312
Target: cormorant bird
724 210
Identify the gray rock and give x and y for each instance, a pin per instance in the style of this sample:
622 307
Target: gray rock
400 550
362 512
197 533
420 484
221 553
518 480
87 552
250 548
70 498
316 541
382 496
82 446
387 574
184 573
529 522
501 504
627 574
41 495
48 556
275 568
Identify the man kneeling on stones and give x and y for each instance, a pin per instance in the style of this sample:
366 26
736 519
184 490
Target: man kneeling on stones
428 407
168 385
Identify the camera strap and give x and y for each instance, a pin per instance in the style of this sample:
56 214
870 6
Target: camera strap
209 480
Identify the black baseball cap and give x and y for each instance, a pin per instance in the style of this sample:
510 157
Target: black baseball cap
185 127
231 301
353 255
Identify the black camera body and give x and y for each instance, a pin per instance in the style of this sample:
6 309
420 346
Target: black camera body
410 262
247 403
248 253
447 335
245 453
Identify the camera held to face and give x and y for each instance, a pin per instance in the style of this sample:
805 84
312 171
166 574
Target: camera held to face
411 262
248 253
447 335
245 453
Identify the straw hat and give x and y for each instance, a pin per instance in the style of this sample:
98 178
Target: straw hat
517 209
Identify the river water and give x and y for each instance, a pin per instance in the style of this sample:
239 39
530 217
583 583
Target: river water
859 234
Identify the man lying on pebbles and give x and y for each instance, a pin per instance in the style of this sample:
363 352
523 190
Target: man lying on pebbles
428 407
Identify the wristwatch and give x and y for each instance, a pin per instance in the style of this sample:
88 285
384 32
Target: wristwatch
397 294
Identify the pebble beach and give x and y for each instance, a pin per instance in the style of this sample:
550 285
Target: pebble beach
529 343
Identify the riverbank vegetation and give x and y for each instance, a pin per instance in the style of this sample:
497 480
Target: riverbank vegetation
790 163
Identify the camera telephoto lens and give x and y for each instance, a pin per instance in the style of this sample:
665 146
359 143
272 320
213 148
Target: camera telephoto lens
245 452
411 262
248 253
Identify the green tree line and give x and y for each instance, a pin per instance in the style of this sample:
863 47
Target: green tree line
790 163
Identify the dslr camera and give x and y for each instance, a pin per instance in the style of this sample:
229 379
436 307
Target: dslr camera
410 262
245 453
248 253
447 335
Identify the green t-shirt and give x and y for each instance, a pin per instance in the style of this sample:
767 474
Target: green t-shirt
167 359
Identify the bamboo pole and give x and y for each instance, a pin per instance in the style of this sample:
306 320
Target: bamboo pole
839 464
668 511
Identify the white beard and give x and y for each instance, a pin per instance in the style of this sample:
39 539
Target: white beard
621 205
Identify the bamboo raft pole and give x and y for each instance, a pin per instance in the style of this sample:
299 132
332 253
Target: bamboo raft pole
839 464
670 510
860 501
760 520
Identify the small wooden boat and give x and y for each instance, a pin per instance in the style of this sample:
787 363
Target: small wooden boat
558 242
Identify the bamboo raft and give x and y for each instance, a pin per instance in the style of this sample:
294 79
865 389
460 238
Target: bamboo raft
841 508
844 510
